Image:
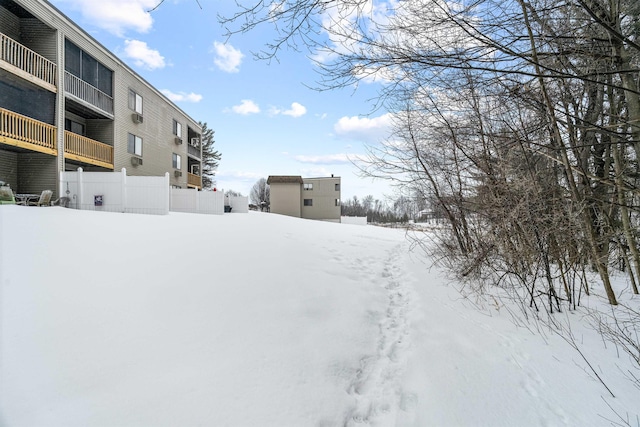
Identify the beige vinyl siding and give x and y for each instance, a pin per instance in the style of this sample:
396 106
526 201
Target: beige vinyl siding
156 131
324 196
286 199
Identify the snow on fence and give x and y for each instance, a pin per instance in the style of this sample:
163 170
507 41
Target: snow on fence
193 201
116 192
356 220
239 204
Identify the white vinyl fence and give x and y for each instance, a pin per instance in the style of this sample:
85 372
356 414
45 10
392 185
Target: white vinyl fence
116 192
193 201
356 220
239 204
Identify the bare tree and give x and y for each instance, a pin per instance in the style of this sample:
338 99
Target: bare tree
519 119
260 194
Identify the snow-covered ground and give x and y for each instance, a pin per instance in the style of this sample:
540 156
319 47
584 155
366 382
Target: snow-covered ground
264 320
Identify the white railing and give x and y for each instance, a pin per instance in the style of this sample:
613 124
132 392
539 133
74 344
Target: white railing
27 60
83 90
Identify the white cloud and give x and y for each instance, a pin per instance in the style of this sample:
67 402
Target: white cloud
364 128
227 58
241 175
182 96
329 159
246 106
142 55
296 110
117 16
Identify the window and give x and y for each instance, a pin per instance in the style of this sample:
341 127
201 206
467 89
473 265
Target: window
105 79
87 68
74 127
134 145
337 188
72 58
135 102
176 161
177 128
337 201
308 202
308 187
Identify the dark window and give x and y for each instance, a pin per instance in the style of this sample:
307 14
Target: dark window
89 70
337 201
72 58
337 188
74 127
135 102
177 128
134 145
177 161
308 202
105 79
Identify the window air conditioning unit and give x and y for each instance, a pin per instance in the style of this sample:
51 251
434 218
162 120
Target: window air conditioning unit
195 169
137 118
177 174
194 142
178 141
135 161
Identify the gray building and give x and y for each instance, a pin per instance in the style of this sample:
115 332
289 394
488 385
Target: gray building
310 198
68 102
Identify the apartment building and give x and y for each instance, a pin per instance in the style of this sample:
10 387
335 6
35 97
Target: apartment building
310 198
68 102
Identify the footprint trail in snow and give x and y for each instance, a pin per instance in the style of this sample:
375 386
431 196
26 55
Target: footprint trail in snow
376 387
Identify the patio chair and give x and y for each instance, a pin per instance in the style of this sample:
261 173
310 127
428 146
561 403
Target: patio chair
45 199
6 195
62 201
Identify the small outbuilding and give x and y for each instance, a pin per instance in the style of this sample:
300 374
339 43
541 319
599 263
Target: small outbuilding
310 198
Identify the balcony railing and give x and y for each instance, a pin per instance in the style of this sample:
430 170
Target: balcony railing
84 91
27 60
194 151
83 149
24 132
194 180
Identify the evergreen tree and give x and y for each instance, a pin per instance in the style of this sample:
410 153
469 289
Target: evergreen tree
210 156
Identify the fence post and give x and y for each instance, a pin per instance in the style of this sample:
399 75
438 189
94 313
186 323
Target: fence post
167 186
197 200
80 189
123 186
61 185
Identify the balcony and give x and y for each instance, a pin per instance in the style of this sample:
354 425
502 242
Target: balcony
24 132
88 94
83 149
194 180
24 62
194 151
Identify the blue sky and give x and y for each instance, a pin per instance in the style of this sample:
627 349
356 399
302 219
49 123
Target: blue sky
267 121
